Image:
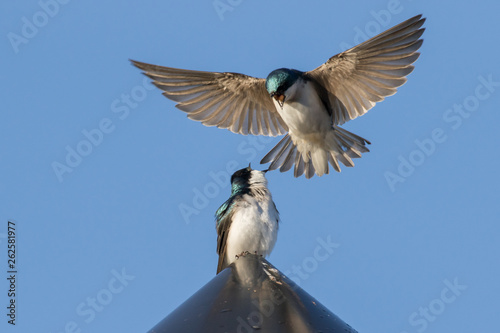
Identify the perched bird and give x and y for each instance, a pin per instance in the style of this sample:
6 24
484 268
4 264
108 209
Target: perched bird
248 220
308 107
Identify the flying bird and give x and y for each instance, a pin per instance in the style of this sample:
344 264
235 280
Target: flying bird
248 220
308 107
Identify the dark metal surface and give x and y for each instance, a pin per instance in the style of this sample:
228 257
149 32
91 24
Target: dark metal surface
251 296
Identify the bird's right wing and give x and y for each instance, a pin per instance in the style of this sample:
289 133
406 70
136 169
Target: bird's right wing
367 73
234 101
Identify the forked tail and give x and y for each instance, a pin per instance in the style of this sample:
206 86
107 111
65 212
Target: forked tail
339 145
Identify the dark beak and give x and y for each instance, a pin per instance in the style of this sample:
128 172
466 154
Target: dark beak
280 99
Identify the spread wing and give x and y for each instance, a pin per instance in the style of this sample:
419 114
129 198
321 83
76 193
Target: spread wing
234 101
224 217
360 77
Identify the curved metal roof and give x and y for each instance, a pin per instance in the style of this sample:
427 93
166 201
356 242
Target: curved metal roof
251 295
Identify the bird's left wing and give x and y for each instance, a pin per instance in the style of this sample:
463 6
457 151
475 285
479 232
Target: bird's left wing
367 73
224 216
234 101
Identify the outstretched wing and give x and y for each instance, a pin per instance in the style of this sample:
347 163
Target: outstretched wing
234 101
370 71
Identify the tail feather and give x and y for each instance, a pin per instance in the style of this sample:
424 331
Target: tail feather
354 140
290 159
299 166
319 158
276 151
310 169
309 158
343 157
334 162
280 159
353 152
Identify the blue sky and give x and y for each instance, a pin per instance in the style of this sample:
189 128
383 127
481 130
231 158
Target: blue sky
113 189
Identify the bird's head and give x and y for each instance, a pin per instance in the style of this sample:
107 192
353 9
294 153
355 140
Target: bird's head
279 81
246 178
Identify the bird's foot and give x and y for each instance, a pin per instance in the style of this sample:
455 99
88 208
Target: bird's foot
242 254
255 252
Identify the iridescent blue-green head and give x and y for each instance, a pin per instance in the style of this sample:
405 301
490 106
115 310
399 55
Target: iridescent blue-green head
242 182
278 82
245 179
241 179
240 185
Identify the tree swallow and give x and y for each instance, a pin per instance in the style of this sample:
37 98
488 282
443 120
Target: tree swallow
248 220
308 107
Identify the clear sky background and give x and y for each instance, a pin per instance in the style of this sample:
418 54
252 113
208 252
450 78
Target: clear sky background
116 230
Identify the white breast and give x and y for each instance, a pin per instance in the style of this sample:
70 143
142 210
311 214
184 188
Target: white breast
303 111
254 228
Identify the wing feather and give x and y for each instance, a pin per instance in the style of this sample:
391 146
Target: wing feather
234 101
224 217
367 73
